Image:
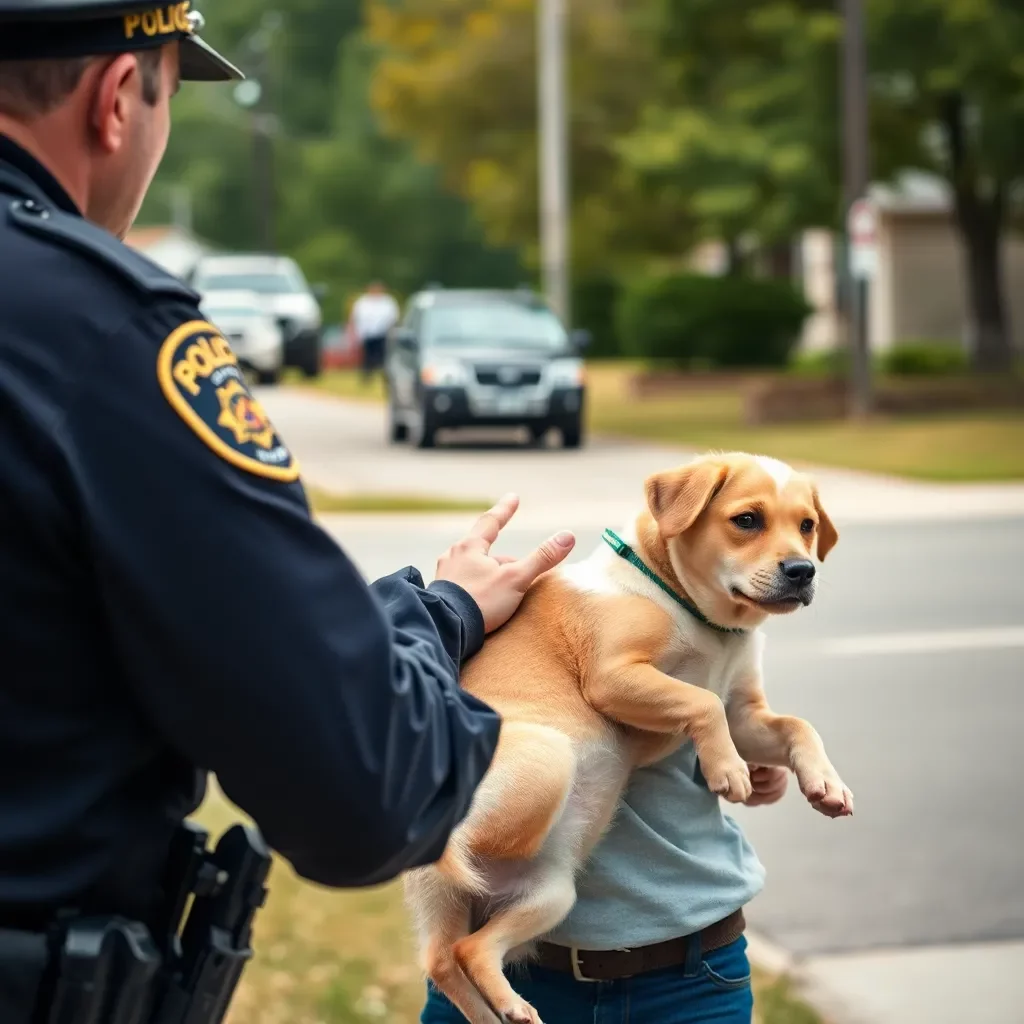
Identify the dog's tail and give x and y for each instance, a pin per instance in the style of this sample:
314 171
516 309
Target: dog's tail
456 864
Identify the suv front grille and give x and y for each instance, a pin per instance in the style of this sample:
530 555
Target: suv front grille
507 376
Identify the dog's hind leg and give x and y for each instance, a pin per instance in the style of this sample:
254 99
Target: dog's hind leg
514 810
547 901
443 914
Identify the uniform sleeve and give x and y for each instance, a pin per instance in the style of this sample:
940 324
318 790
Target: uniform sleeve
329 711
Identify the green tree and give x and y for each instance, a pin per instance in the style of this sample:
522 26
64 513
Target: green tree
741 125
458 78
746 124
348 202
948 96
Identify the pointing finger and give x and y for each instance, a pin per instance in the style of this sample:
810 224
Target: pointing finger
546 557
494 520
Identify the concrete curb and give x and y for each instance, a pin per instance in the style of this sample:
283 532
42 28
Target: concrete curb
767 956
777 961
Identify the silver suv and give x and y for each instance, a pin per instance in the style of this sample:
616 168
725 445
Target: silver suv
284 292
483 358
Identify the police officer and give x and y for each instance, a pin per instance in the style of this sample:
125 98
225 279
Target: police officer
168 607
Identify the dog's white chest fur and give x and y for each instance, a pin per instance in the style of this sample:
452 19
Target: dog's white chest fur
712 663
695 654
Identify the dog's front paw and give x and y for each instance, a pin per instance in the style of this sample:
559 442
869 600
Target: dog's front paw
824 790
519 1011
730 779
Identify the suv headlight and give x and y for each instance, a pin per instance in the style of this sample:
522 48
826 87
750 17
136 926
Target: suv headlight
444 375
566 373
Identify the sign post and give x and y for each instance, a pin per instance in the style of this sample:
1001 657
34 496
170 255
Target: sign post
862 232
862 227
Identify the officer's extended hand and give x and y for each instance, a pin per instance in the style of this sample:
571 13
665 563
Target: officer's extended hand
498 582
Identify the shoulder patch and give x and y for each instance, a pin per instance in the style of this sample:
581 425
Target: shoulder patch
201 378
98 245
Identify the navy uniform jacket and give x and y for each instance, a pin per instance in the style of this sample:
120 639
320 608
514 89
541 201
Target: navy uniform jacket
169 608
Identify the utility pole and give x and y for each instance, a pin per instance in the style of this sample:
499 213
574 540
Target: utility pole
263 172
261 100
856 180
553 154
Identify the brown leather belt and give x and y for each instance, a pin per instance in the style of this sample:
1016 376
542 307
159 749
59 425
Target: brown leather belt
615 964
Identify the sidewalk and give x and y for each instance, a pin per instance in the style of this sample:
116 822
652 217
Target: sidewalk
971 984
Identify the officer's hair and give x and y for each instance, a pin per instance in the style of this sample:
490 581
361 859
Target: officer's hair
32 88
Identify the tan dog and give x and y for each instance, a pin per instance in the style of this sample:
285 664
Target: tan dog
609 665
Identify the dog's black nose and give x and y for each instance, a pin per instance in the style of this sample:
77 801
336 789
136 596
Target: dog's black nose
798 570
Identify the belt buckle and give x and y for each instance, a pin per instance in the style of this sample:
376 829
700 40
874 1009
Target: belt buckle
574 957
577 973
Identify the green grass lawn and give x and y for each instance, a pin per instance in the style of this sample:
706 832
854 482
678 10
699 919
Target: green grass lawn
327 957
325 503
980 446
950 447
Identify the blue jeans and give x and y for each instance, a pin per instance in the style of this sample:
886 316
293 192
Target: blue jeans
712 990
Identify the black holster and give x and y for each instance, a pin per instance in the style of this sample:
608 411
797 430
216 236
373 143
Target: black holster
24 959
109 970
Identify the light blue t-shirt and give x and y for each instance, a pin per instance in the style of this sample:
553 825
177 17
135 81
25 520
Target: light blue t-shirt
671 864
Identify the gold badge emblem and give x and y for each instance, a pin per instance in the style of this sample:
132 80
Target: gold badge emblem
243 415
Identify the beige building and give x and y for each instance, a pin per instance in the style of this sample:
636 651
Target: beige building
175 248
919 291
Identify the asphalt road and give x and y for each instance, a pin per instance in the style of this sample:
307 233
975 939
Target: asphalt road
910 664
928 739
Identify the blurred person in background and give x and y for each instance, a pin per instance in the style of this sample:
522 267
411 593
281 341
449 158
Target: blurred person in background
374 314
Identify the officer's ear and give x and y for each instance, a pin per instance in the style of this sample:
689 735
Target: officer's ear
112 100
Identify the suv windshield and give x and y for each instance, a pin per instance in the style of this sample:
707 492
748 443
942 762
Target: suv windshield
499 324
264 282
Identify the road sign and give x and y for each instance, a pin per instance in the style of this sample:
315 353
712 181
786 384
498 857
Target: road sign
862 228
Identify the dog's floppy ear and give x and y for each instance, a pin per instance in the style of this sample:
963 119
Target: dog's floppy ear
678 497
828 535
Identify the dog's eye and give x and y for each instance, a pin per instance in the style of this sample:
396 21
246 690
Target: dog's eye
807 526
747 520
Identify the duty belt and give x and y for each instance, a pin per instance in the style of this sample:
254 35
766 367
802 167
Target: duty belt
109 970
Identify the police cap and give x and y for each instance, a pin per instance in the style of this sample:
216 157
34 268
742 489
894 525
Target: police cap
34 29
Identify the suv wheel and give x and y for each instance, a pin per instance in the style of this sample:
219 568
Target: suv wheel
539 436
397 430
425 432
572 433
307 355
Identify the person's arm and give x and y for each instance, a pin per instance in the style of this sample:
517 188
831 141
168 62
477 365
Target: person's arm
329 712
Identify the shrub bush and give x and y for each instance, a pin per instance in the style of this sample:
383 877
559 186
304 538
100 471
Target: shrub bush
719 321
924 358
828 362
